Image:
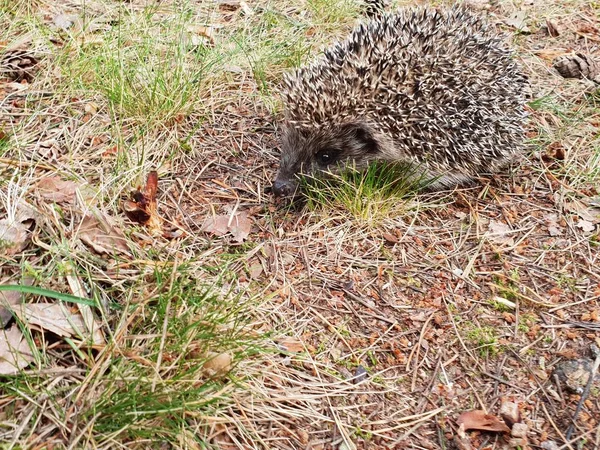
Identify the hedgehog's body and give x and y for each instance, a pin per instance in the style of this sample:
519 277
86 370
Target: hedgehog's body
435 88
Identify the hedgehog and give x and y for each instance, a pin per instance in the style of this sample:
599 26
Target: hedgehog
433 88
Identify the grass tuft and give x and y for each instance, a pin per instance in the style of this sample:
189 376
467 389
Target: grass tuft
149 70
151 385
369 195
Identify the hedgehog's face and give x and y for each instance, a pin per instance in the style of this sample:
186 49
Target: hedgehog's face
314 152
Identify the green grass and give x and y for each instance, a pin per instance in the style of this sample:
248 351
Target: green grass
369 195
152 385
485 340
150 70
581 165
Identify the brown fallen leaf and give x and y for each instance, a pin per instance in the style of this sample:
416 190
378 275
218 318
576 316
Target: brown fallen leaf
143 207
8 301
92 326
14 237
103 238
550 54
57 318
200 34
256 270
15 353
586 225
479 420
553 29
587 210
499 233
238 225
19 65
389 237
291 344
554 229
57 190
218 366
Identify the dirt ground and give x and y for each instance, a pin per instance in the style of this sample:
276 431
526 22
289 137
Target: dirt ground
381 336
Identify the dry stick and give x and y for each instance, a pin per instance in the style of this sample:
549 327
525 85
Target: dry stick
418 350
462 343
356 298
15 163
418 423
585 393
164 328
555 427
567 305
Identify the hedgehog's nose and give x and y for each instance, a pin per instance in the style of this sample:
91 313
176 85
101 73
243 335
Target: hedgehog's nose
282 188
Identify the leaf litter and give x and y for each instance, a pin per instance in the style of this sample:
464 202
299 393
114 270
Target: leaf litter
237 224
58 319
105 239
304 257
15 353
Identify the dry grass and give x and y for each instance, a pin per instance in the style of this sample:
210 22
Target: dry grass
344 331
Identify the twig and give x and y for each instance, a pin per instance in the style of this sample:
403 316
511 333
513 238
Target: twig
586 391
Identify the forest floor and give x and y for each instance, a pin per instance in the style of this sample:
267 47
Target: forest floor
229 321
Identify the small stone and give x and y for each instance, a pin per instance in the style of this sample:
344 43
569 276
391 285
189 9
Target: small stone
509 411
573 374
519 430
347 446
549 445
360 374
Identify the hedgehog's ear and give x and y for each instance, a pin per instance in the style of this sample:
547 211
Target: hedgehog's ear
363 135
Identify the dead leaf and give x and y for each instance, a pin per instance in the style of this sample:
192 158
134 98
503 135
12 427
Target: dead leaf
57 190
54 317
499 233
101 236
238 225
8 301
14 237
19 65
64 21
554 229
291 344
586 225
586 210
228 5
552 26
200 34
91 108
389 237
77 289
479 420
143 207
218 366
550 54
518 20
555 151
256 271
15 353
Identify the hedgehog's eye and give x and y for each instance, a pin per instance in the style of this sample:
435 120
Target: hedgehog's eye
326 156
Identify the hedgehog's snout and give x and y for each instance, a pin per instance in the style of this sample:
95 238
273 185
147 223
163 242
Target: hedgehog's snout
284 187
